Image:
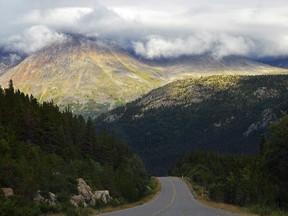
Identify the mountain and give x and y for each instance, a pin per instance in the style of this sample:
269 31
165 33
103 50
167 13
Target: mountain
93 75
281 62
86 74
222 113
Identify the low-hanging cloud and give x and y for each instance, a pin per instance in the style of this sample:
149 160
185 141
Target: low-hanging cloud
217 45
183 27
34 38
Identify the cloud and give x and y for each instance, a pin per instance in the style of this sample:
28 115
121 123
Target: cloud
35 38
153 29
56 17
217 45
158 47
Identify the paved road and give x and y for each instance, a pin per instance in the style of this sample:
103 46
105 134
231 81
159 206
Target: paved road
174 199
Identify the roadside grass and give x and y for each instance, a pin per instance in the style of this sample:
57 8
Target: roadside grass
267 211
200 194
227 207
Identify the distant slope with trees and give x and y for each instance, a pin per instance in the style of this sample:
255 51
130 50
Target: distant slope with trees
220 113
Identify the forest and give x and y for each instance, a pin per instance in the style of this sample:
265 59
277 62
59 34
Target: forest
258 182
44 149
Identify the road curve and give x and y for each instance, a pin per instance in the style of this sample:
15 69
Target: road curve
174 199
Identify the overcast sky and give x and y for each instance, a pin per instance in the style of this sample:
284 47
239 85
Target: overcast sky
152 28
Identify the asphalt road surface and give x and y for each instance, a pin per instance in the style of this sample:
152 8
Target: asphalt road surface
174 199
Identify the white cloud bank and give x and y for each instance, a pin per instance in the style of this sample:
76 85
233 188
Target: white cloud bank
216 45
153 29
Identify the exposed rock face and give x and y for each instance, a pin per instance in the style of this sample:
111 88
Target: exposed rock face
263 93
8 192
267 117
112 118
103 195
78 200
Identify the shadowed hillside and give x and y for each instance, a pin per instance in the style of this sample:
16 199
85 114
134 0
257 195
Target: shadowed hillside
222 113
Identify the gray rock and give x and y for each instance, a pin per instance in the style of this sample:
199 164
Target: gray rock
8 192
103 195
78 200
85 190
52 199
86 197
267 117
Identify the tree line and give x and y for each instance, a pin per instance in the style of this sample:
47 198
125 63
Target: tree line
244 180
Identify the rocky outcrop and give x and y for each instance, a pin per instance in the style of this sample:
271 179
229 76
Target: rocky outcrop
87 197
267 117
8 192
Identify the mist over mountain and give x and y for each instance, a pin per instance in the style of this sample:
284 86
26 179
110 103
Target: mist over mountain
9 59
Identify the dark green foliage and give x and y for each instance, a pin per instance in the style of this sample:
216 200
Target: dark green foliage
18 206
275 161
258 181
210 113
44 149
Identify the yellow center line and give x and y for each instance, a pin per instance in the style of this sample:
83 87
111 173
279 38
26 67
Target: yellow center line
172 201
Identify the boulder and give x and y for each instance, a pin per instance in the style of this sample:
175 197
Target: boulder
103 195
8 192
85 191
78 200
